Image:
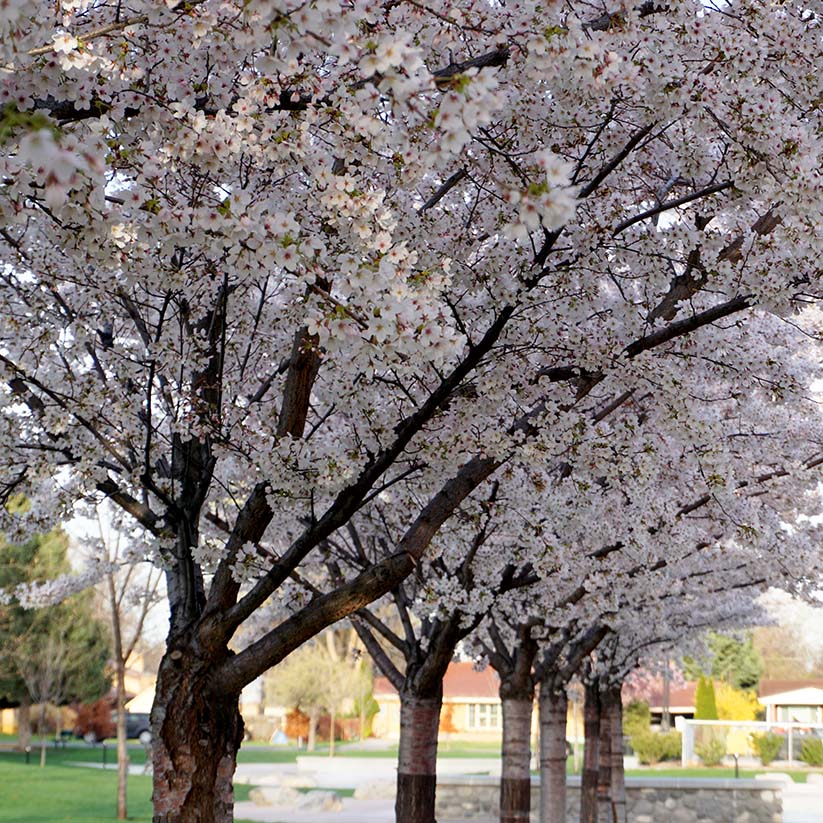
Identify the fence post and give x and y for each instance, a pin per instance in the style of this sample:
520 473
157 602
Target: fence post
687 748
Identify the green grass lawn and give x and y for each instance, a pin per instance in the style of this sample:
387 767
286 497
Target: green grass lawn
29 794
446 749
79 753
798 775
62 793
282 754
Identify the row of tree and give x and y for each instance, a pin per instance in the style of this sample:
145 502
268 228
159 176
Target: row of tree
538 633
510 304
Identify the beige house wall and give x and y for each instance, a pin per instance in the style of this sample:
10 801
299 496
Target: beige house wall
8 721
386 723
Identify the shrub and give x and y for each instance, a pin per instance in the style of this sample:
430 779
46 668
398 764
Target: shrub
736 704
766 746
636 718
652 747
711 752
811 751
297 724
674 745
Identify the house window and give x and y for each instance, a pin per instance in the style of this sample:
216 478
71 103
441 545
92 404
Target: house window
484 716
798 714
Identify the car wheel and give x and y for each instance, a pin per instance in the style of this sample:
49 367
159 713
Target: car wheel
144 737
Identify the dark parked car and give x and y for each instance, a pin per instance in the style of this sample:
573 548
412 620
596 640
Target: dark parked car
99 728
138 727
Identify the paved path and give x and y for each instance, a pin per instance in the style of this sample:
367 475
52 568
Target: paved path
353 811
803 804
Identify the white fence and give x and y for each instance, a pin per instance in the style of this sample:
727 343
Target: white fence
736 738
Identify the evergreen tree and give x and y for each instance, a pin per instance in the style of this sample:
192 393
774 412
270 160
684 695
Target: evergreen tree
54 654
735 661
730 659
705 703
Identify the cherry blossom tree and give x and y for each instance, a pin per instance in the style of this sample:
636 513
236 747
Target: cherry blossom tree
434 610
671 623
264 261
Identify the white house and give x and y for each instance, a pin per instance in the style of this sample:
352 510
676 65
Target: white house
799 701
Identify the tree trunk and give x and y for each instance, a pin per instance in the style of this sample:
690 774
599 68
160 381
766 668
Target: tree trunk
515 783
604 769
120 697
122 747
553 708
588 783
314 719
42 734
417 758
618 776
196 734
23 713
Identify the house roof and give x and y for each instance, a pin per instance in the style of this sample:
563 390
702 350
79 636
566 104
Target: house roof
461 680
681 698
769 688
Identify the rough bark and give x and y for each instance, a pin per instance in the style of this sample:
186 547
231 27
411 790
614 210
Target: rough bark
196 734
591 726
23 713
553 708
417 758
618 776
604 770
515 783
517 697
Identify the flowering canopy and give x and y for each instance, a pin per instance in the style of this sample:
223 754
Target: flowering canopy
261 260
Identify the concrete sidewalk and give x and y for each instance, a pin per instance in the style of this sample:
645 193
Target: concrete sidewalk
803 803
353 811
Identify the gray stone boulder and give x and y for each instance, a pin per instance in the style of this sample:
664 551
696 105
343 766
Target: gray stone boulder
376 790
274 796
319 800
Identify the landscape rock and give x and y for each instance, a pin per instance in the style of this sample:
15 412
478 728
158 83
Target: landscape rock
274 796
319 800
376 790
